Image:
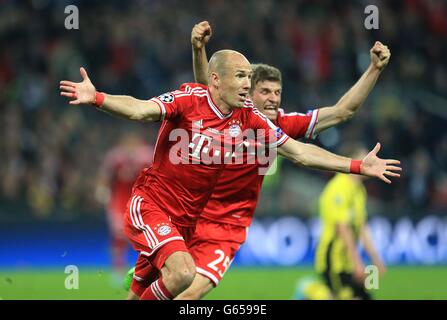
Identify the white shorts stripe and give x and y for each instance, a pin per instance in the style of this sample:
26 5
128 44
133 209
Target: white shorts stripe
166 241
208 274
136 223
131 213
145 227
151 232
130 210
132 216
148 254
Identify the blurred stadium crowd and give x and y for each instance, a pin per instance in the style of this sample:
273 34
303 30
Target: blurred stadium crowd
50 152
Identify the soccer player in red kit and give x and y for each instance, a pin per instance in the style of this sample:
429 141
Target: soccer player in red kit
223 225
117 174
199 123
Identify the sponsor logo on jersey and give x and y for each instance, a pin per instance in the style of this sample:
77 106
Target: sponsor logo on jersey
197 124
199 143
166 97
215 131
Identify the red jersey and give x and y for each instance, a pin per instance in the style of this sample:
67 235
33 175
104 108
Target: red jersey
192 148
123 166
236 194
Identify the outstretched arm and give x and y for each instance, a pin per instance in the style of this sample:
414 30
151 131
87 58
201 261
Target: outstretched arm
127 107
348 105
309 155
200 35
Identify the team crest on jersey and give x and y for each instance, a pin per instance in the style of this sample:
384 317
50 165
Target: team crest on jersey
279 133
235 128
163 229
166 97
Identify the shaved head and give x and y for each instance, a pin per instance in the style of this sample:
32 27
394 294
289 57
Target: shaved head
229 74
220 61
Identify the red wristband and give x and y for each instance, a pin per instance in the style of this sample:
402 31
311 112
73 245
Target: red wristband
355 166
99 99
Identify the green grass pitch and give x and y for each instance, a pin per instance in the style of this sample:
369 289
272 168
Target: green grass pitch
238 283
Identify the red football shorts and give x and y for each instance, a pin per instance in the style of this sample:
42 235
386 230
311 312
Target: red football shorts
145 272
213 247
151 232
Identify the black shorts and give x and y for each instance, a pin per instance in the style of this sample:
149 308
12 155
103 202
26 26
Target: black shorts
342 281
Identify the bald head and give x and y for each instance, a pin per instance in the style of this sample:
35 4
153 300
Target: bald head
221 60
229 74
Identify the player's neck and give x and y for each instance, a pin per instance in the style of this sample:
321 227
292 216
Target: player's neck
219 102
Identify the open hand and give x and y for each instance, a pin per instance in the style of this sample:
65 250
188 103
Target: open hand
373 166
79 92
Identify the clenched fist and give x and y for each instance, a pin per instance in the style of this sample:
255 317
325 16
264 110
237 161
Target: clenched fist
201 34
380 55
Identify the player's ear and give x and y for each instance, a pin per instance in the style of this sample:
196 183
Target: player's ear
215 79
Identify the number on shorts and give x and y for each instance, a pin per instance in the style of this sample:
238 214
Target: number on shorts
225 264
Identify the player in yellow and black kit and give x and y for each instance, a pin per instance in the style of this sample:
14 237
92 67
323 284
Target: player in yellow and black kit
343 224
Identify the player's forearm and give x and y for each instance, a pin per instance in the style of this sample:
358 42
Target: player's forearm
349 104
348 240
351 101
369 246
128 107
311 156
200 65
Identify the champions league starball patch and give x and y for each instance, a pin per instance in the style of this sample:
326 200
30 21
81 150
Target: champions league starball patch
166 97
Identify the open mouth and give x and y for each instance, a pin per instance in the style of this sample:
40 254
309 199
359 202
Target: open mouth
243 95
270 108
